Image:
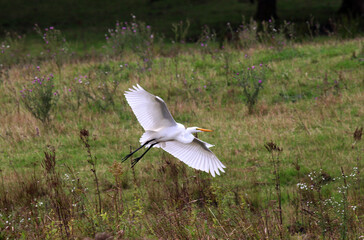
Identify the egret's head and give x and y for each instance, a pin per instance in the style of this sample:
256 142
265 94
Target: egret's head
197 129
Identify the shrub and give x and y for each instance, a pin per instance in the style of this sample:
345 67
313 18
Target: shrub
274 35
40 97
55 46
268 33
207 40
251 79
247 34
99 86
135 36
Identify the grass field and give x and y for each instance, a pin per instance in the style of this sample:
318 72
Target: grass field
57 185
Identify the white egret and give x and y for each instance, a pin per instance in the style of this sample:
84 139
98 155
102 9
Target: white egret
161 130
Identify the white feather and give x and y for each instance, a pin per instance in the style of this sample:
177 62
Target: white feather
151 111
195 154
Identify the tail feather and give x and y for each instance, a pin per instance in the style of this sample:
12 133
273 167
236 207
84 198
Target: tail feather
148 135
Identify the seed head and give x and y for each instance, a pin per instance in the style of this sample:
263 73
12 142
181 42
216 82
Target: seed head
358 133
271 146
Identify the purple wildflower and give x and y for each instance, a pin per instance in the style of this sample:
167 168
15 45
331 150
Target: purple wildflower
260 81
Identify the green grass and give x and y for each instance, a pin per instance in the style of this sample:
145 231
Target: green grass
311 119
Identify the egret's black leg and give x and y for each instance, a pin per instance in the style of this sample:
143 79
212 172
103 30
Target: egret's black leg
130 154
136 160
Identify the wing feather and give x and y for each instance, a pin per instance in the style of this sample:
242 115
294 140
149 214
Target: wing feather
151 111
195 154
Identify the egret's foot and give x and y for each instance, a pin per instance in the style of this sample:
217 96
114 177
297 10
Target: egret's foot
135 161
126 157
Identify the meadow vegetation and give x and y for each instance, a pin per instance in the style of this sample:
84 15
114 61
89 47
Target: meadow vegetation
287 117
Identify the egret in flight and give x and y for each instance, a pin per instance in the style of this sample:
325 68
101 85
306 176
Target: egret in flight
161 130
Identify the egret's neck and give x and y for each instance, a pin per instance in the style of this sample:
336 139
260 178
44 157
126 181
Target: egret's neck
191 130
187 136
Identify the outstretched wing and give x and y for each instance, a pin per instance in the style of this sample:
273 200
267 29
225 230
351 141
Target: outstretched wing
151 111
195 154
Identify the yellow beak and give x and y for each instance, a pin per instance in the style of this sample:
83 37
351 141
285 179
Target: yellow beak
204 130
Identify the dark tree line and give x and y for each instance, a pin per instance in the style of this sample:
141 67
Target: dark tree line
268 8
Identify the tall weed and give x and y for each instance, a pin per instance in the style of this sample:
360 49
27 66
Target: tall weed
40 96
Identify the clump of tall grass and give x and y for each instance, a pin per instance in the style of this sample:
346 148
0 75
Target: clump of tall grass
275 151
180 31
92 160
60 201
98 88
11 52
268 33
330 214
